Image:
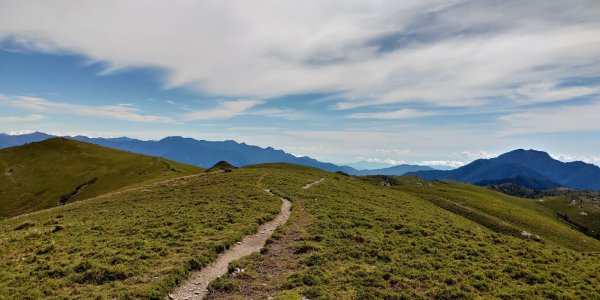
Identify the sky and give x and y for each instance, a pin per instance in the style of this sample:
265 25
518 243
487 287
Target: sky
430 82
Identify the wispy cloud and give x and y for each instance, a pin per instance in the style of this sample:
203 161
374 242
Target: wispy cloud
279 113
478 154
27 118
226 110
117 112
566 118
404 113
230 109
551 91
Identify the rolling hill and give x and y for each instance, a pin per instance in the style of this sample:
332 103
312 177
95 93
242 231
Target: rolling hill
56 171
347 238
534 166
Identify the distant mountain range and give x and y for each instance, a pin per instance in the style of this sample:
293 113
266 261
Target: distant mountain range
529 168
207 153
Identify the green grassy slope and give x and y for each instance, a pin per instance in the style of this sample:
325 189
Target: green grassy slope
134 244
38 175
356 241
369 242
494 210
579 208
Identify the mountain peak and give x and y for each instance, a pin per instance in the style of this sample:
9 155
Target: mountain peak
533 164
520 154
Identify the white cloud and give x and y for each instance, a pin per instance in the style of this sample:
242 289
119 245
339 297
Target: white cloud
372 52
226 110
478 154
564 118
395 151
442 163
385 161
568 157
117 112
396 114
27 118
550 91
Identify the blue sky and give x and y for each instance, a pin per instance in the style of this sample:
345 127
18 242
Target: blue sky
431 82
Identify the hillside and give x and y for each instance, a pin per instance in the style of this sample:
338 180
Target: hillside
57 171
519 182
536 165
137 244
349 239
346 239
497 211
578 208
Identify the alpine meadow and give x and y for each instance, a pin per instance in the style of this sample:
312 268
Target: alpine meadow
299 150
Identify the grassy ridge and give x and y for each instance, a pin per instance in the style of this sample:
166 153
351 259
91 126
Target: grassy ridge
48 173
367 242
136 244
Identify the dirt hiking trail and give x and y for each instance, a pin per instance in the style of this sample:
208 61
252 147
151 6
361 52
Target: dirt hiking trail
309 185
196 286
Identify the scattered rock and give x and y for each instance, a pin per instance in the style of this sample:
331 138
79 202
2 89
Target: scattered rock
528 235
237 272
57 228
583 213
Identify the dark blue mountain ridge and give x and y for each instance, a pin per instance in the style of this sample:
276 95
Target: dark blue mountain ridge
533 164
535 184
207 153
7 140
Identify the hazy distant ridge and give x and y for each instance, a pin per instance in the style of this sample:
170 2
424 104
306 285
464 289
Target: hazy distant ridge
206 153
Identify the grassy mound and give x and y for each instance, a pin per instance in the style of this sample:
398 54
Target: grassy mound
58 171
221 166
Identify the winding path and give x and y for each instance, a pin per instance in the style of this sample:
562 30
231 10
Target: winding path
309 185
196 286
